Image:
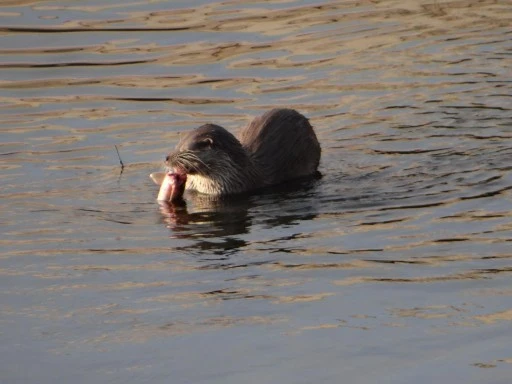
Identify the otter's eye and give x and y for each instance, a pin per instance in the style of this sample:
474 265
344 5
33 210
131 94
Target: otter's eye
203 144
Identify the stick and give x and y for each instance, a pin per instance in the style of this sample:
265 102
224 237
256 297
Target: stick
118 155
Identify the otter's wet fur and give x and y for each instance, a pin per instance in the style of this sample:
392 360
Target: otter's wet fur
278 146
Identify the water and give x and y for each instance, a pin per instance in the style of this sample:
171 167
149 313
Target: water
393 267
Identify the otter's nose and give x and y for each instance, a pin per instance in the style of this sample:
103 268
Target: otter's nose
167 158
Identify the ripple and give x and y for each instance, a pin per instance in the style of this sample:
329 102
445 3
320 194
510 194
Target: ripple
406 236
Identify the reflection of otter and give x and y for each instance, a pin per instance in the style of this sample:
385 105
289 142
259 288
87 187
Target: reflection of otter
204 217
278 146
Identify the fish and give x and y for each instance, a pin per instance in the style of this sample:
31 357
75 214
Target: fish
172 185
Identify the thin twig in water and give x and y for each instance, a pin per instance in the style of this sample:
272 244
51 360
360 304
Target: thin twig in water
118 155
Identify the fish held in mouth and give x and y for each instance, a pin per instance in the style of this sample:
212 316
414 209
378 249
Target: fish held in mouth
172 186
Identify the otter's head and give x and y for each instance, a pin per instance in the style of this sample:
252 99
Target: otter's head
213 160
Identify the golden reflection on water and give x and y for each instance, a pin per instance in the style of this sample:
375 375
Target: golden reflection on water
405 239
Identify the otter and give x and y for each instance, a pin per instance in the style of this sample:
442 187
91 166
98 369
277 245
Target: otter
278 146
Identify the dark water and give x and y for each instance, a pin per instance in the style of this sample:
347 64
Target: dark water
395 267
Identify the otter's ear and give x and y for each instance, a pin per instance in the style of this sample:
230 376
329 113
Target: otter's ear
157 177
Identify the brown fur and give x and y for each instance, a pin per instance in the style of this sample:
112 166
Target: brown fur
278 146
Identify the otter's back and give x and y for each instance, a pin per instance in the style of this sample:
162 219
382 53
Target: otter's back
283 143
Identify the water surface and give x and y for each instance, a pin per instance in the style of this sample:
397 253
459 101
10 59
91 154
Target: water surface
393 267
